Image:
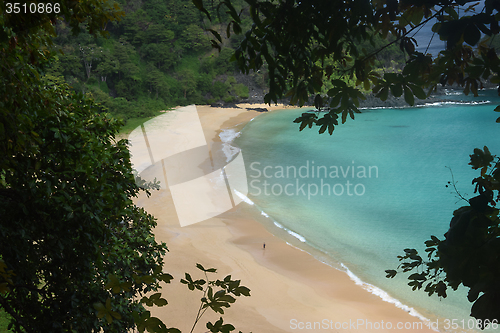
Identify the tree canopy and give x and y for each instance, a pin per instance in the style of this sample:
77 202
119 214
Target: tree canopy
68 224
137 69
469 254
76 253
316 52
307 45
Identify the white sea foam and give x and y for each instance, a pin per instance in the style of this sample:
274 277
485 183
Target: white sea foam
290 232
244 197
383 295
397 292
251 203
227 136
296 235
430 104
455 103
218 180
368 287
453 92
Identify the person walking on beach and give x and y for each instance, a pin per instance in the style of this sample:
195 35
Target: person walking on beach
264 245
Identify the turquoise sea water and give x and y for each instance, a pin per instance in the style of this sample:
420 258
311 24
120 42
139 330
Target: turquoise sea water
375 187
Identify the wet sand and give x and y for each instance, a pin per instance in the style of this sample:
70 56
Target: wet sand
291 291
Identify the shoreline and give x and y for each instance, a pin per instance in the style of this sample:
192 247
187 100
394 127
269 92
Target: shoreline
288 285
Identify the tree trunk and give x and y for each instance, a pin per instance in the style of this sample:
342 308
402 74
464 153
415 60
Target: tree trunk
88 67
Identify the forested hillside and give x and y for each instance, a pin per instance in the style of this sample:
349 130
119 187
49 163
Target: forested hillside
158 56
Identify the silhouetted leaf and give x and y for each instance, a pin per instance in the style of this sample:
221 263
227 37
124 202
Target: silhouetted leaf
397 90
409 96
472 35
390 273
418 91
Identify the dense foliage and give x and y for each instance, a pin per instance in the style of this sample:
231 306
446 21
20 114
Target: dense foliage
307 45
158 56
469 254
76 254
312 48
68 223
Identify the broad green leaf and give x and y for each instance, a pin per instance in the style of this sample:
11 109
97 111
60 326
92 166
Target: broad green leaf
173 330
199 5
334 102
318 101
244 290
216 34
418 91
383 94
210 270
409 96
396 90
417 16
472 34
166 278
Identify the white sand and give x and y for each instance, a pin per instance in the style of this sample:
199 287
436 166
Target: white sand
289 288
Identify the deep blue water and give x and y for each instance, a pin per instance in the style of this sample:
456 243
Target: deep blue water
395 198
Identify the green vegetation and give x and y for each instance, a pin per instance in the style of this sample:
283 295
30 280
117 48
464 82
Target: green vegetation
332 52
320 50
155 58
158 56
4 321
468 254
241 90
76 253
132 123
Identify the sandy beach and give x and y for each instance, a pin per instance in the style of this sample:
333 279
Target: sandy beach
291 291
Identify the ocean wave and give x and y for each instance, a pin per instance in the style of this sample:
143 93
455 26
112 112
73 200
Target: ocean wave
290 232
218 180
382 294
455 103
296 235
250 202
244 197
448 92
428 104
227 136
368 287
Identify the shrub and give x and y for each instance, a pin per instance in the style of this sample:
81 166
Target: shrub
241 90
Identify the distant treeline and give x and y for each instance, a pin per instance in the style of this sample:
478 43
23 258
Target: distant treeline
157 57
